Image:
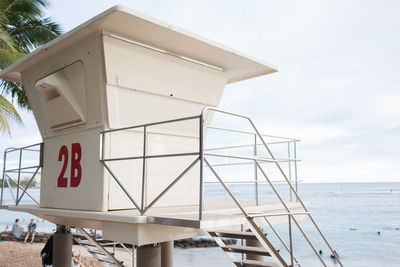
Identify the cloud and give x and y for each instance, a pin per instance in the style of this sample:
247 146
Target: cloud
338 87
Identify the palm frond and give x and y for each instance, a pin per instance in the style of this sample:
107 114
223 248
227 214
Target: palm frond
16 91
22 29
35 33
7 58
27 8
7 114
7 41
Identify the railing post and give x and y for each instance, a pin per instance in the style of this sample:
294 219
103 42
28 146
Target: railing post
41 154
19 175
201 156
4 176
290 169
290 240
295 168
255 171
144 167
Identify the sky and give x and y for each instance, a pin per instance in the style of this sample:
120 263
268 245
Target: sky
338 85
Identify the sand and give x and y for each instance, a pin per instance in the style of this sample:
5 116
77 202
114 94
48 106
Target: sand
18 254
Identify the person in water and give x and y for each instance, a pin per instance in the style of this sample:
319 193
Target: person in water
335 255
31 231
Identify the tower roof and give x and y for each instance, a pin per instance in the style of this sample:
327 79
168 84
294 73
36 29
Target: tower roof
149 32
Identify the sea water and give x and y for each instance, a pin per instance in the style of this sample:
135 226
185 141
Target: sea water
349 214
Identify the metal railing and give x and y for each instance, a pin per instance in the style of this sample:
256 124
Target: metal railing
20 170
143 207
290 159
289 213
202 158
203 162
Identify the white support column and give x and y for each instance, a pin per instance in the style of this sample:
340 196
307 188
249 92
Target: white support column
62 247
149 256
167 254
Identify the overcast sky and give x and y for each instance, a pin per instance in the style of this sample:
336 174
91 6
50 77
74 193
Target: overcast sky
338 85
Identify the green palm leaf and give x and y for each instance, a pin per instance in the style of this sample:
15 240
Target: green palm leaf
22 29
7 113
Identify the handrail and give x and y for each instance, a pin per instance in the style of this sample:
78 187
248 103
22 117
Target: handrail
202 153
289 250
248 158
250 145
142 208
20 170
289 212
289 139
270 249
206 109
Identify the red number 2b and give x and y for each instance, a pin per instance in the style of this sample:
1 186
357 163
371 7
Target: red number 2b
76 168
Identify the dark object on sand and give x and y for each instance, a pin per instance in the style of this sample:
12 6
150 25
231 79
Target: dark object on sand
47 252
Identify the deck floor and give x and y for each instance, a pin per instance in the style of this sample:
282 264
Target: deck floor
215 211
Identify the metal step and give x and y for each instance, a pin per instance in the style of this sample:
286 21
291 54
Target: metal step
98 252
247 250
106 260
84 242
234 234
87 243
111 243
79 235
253 263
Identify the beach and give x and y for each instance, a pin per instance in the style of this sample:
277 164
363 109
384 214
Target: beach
350 215
18 254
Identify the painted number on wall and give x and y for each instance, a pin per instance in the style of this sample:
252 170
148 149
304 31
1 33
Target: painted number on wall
76 168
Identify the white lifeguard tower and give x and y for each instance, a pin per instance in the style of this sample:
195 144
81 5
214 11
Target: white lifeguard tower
123 103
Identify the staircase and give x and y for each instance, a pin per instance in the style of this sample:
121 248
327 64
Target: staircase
255 222
244 250
97 247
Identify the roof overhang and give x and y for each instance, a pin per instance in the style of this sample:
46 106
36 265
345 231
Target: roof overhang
132 25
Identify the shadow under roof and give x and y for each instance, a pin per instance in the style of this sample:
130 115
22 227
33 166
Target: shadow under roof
132 25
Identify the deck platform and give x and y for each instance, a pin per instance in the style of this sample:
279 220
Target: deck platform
177 222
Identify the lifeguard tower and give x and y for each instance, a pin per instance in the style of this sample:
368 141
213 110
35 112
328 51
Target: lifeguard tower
124 105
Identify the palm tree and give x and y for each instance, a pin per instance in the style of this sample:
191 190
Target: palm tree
22 30
7 113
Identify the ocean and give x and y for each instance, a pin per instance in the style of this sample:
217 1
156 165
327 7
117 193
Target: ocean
349 214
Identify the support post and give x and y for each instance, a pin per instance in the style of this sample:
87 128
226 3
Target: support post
62 247
201 156
290 169
4 176
144 174
254 243
167 254
149 255
295 169
19 175
290 240
255 171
